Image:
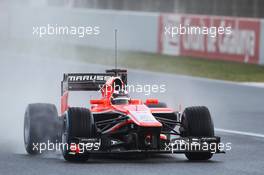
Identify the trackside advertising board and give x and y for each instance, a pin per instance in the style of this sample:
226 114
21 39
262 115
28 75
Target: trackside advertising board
242 44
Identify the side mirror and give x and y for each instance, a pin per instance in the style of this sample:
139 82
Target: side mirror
135 102
98 102
152 101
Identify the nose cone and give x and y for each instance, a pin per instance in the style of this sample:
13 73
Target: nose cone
142 116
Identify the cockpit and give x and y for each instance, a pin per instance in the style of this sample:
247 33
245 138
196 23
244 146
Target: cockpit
120 98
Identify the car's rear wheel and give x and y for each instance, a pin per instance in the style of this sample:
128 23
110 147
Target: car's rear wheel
197 122
40 126
78 122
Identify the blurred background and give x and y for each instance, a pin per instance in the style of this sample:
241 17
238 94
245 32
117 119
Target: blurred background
140 27
244 8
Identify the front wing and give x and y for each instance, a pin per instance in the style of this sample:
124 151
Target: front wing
175 146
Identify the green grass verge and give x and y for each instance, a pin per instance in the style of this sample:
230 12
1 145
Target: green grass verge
179 65
152 62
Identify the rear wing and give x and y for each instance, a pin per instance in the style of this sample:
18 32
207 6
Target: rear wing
89 81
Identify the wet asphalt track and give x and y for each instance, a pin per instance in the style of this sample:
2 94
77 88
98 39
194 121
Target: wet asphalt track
233 107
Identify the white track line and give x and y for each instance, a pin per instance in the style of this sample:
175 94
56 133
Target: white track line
240 132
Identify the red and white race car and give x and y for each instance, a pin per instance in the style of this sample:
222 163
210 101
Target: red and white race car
116 123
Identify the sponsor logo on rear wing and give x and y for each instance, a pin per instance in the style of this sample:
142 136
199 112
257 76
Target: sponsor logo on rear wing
88 78
83 81
89 81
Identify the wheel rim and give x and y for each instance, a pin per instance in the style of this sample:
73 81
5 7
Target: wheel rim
64 139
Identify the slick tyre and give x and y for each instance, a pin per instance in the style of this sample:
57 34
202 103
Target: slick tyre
77 122
40 126
197 122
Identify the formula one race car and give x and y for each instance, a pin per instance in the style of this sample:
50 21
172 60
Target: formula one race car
116 123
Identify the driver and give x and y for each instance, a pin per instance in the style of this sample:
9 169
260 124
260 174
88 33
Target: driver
120 98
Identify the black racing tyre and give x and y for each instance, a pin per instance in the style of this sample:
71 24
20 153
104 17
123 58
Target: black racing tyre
40 126
78 122
196 122
159 105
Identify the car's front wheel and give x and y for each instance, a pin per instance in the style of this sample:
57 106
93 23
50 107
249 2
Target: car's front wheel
78 123
196 122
